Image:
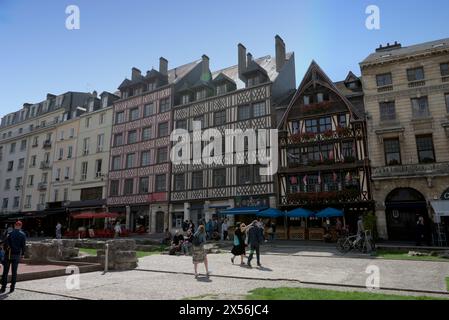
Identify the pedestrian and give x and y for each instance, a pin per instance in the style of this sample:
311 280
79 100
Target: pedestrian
15 250
187 244
255 238
238 248
117 229
209 229
199 253
58 230
420 231
225 228
176 244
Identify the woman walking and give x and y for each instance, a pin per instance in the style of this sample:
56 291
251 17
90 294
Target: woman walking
239 243
198 251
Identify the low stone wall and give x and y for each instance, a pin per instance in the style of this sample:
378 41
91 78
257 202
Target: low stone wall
122 254
52 250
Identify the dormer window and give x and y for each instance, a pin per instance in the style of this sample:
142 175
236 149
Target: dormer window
221 89
253 81
104 102
152 86
185 98
201 94
130 92
306 100
320 97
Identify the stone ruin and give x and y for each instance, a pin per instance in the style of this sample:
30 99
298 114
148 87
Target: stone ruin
122 254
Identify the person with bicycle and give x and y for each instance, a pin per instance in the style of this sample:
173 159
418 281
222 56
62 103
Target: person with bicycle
360 229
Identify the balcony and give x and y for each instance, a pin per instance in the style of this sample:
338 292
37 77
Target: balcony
415 84
47 144
45 165
347 195
411 171
42 186
385 89
313 138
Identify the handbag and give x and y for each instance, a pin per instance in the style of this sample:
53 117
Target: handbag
236 241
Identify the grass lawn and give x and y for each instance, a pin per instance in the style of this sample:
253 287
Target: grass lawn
401 255
140 254
319 294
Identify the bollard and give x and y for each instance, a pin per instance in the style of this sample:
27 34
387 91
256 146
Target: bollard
106 258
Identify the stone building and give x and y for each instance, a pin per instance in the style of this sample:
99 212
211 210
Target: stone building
323 148
244 96
407 103
139 169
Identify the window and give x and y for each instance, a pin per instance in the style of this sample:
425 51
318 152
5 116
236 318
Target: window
7 184
23 145
220 118
383 80
69 152
420 107
259 109
5 203
392 152
27 202
98 167
197 180
201 94
312 126
21 163
65 194
134 114
67 173
145 159
387 111
325 124
86 142
18 182
162 155
179 182
116 163
446 97
35 141
12 147
426 153
151 86
10 165
101 118
61 153
221 89
72 132
244 112
253 81
161 184
118 139
244 175
164 105
185 98
16 202
119 117
199 119
44 177
130 160
56 195
129 187
31 180
88 122
144 185
163 129
33 161
84 171
342 121
132 136
444 68
219 177
415 74
100 142
114 188
347 148
181 124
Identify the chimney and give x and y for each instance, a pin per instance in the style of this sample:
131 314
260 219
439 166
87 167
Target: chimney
249 59
241 60
205 69
135 74
95 94
163 66
280 52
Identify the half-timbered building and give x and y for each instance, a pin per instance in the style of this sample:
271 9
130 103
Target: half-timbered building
323 151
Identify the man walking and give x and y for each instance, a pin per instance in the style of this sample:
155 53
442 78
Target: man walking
255 238
58 231
15 250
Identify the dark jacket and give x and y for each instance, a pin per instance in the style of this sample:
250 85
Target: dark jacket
255 235
16 243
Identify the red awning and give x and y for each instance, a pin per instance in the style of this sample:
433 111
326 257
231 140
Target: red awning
95 215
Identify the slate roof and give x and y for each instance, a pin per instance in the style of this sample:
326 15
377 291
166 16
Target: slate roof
393 54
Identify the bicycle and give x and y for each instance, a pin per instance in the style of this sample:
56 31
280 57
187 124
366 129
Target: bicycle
363 244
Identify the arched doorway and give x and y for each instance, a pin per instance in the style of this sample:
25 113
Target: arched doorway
403 208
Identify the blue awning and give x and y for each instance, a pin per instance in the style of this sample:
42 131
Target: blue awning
330 213
300 213
271 213
243 211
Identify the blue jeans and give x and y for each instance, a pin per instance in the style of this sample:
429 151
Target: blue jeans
7 264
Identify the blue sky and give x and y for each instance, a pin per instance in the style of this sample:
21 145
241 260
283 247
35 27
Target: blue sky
38 55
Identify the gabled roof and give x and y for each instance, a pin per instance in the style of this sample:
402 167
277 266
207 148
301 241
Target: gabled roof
315 75
351 77
222 77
